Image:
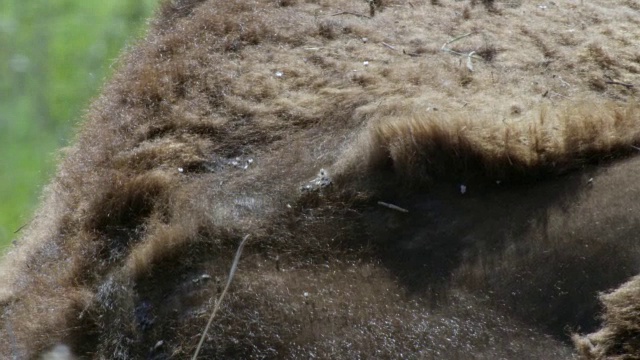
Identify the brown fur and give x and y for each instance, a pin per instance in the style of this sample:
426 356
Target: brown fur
217 119
619 338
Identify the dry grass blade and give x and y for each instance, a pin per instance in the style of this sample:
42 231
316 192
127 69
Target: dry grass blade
388 46
12 337
444 46
393 207
469 55
351 13
232 272
469 62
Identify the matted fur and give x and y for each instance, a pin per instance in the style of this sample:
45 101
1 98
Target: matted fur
513 162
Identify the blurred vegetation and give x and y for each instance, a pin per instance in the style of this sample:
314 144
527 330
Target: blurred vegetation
54 57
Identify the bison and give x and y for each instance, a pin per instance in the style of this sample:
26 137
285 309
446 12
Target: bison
414 179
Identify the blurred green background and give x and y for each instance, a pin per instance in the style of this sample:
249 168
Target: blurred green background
54 57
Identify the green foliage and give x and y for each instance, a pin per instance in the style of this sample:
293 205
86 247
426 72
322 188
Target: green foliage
54 57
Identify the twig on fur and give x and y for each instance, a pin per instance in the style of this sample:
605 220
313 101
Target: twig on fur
351 13
635 147
393 207
614 82
232 272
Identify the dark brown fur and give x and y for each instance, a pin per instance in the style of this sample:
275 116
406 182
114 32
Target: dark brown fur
215 126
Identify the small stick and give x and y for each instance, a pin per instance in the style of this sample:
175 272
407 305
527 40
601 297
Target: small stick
393 207
232 272
351 13
613 82
635 147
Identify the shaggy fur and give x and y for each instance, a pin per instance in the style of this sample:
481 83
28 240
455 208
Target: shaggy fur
509 149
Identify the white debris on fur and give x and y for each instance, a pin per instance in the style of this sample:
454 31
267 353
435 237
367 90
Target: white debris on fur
59 352
322 180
